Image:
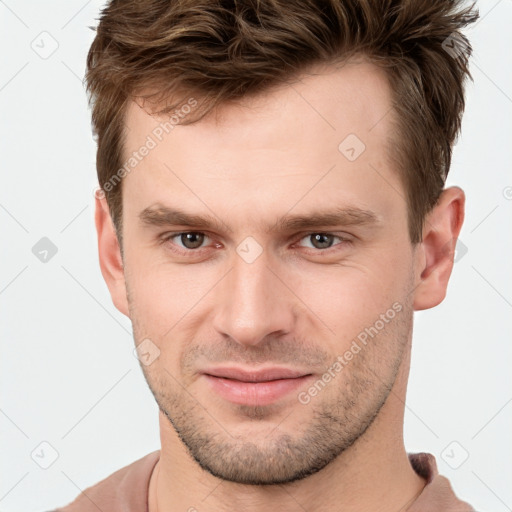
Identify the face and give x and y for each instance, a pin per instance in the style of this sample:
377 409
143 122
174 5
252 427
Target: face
302 262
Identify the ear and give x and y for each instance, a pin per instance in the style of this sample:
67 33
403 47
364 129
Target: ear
437 249
111 263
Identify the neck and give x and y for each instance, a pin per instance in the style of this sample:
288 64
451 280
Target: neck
373 474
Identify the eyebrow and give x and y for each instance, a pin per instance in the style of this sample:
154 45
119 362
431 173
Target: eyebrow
164 216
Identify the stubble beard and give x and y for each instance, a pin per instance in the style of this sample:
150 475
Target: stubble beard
300 443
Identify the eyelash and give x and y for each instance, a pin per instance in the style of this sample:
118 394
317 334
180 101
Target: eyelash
167 237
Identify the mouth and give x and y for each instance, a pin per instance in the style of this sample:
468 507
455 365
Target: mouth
250 387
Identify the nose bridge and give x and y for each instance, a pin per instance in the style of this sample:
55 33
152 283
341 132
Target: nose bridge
253 302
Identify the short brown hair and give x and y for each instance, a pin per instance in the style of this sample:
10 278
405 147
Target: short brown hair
222 50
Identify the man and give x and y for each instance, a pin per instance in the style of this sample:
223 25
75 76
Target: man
271 214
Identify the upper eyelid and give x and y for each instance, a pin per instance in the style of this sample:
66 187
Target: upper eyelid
168 236
336 235
297 237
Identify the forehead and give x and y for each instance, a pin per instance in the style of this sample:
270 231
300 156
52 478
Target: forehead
346 97
330 125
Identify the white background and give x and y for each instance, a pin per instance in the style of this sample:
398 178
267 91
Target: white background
68 375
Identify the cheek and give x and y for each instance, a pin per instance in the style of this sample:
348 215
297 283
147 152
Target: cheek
339 299
349 296
162 306
163 294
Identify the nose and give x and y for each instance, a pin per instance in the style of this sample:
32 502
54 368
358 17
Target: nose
253 303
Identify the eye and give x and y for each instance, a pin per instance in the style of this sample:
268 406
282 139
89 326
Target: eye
189 240
323 240
192 241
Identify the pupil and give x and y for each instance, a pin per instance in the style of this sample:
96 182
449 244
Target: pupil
192 240
323 240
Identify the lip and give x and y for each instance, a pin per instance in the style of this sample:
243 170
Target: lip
251 387
262 375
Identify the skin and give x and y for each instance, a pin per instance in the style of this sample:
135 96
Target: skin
298 305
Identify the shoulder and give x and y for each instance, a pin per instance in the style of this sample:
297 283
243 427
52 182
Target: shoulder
125 490
438 493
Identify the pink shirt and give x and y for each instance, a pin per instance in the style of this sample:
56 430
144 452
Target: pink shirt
126 490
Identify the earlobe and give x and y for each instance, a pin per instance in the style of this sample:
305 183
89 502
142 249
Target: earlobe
437 249
111 263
